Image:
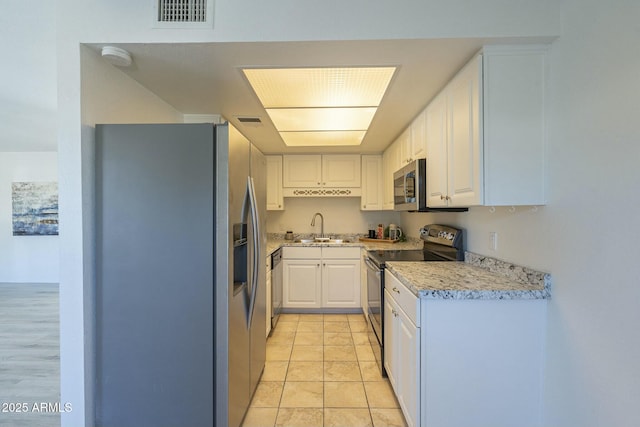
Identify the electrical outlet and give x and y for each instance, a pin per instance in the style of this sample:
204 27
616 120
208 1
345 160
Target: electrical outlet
493 240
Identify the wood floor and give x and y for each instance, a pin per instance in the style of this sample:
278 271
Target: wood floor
29 355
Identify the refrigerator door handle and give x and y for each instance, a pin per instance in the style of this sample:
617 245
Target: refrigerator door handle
255 222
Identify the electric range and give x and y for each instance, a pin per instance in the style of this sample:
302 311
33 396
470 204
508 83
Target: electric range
440 243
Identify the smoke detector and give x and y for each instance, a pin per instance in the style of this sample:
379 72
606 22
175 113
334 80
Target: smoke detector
116 56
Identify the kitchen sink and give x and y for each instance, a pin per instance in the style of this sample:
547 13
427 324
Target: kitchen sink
323 240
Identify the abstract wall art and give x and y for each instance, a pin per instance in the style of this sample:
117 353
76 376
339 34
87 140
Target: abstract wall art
35 208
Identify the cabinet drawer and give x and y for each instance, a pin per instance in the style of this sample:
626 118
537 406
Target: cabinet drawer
341 252
406 300
289 252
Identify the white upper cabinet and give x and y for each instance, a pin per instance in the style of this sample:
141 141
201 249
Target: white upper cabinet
406 151
372 177
341 170
390 164
419 137
465 172
454 160
275 199
515 80
302 171
485 131
437 168
316 171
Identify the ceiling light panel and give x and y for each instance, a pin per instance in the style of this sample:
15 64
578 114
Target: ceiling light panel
321 119
320 87
317 139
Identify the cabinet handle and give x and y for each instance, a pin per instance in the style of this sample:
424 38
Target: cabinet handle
396 290
324 183
318 183
442 197
279 206
324 264
317 265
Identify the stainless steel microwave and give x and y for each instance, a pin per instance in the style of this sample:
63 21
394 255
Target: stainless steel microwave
410 187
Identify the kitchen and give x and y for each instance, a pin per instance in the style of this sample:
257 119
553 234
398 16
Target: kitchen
339 285
514 226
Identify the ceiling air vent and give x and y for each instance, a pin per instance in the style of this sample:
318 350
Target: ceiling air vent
184 13
251 121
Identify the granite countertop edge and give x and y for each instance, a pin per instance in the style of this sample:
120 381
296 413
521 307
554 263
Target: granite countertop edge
468 281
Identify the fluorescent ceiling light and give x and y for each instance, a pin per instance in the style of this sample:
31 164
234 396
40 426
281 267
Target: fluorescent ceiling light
310 119
321 99
328 138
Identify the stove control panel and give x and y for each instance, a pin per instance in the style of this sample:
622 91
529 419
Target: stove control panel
442 234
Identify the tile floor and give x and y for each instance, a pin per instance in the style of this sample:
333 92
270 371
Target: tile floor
321 372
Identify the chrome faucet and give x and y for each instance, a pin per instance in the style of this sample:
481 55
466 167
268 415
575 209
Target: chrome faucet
313 223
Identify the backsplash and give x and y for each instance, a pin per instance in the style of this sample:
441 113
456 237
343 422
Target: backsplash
342 215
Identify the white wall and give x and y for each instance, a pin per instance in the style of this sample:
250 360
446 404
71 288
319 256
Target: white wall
107 96
26 259
342 215
587 236
28 101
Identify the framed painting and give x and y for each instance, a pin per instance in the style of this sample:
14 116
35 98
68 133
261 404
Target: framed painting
35 208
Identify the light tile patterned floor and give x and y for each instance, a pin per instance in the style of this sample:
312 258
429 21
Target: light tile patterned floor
321 372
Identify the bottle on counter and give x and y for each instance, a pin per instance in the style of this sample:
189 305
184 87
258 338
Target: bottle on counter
380 233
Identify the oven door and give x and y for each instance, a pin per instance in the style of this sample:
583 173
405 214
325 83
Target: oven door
375 289
374 296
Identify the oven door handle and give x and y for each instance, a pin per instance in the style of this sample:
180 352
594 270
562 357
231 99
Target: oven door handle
372 266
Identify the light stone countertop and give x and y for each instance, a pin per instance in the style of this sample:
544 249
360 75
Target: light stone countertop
478 277
274 243
463 280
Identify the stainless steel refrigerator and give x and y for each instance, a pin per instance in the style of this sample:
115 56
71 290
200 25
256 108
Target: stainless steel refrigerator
180 281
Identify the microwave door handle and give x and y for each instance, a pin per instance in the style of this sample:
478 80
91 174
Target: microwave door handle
406 192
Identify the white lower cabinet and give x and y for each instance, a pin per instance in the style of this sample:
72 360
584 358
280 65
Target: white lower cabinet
464 362
324 277
402 349
302 285
339 280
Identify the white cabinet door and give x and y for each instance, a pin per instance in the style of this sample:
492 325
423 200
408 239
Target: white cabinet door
409 368
372 195
340 283
302 171
465 155
390 164
418 137
437 163
404 142
455 167
391 346
402 348
302 287
275 200
341 171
